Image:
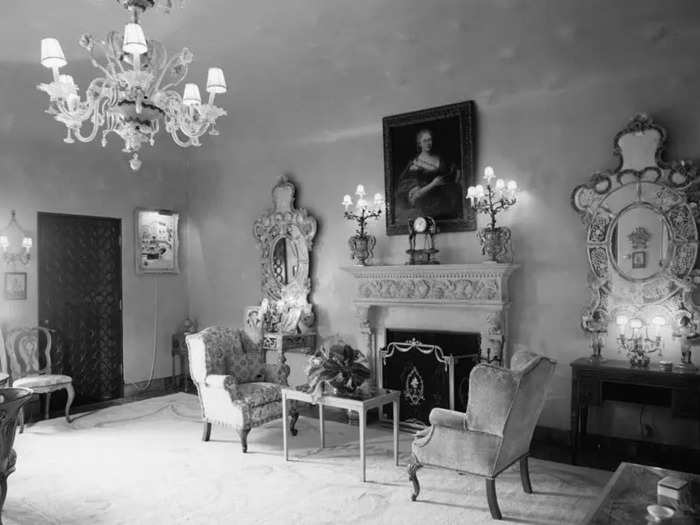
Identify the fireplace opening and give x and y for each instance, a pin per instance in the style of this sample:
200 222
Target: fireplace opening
430 368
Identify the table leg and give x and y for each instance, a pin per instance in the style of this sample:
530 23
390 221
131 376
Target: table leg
363 425
321 425
396 432
284 426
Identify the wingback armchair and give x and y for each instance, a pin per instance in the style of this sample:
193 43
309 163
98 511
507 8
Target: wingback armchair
495 432
235 385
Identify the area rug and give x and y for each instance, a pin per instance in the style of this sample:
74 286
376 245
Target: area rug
145 463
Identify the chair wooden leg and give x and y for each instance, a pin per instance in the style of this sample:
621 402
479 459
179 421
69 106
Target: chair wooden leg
525 475
71 396
206 431
48 405
243 433
21 420
491 497
413 466
3 493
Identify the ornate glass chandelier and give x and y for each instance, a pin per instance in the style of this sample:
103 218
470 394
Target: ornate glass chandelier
135 92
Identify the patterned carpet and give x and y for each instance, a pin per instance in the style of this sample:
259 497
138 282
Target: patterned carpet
144 463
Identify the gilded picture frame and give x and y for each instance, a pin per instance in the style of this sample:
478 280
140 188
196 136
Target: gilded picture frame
429 162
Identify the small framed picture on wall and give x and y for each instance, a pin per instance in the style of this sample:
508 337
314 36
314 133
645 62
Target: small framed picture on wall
15 286
157 241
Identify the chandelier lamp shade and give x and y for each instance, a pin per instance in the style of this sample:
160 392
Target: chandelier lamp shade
135 94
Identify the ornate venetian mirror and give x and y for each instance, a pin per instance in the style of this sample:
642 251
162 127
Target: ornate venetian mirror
285 237
641 233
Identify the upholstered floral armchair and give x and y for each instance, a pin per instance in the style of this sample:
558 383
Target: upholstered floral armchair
235 385
503 408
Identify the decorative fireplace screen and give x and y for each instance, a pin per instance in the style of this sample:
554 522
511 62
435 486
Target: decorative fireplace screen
428 375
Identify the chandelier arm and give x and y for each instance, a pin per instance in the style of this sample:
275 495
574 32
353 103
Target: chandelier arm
97 122
184 58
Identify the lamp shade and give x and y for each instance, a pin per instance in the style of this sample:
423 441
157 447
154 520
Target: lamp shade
191 96
134 40
216 83
52 54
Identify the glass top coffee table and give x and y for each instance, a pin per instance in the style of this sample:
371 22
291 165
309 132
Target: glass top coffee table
631 488
360 405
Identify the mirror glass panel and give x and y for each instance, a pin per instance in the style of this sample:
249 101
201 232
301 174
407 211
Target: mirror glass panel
640 243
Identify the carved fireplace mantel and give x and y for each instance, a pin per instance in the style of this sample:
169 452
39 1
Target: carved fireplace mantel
451 297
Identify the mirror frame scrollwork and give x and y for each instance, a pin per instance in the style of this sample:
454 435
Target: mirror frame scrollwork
668 189
297 226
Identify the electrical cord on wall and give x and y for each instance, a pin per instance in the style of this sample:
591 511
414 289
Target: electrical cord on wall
155 338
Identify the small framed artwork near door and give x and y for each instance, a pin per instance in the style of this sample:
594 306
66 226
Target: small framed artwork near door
15 286
157 241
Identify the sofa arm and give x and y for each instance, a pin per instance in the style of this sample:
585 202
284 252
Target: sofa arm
442 417
491 393
224 382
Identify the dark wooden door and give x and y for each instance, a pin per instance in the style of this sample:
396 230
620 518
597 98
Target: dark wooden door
80 297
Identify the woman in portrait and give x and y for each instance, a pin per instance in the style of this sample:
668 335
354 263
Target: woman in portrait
429 184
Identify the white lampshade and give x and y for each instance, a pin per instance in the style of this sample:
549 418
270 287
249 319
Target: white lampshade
500 184
52 54
360 191
347 200
216 83
488 172
378 199
658 321
4 242
134 40
191 96
636 323
621 320
512 185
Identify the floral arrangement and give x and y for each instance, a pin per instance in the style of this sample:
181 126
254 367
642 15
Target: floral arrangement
341 368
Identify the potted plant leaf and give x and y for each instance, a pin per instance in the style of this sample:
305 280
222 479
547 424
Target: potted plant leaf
340 370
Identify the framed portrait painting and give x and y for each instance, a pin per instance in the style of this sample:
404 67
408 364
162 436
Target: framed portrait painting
15 288
428 166
157 241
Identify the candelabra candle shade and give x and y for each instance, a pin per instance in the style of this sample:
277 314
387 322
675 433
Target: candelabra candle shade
492 199
362 243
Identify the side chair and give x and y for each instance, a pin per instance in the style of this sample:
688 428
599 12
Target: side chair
27 360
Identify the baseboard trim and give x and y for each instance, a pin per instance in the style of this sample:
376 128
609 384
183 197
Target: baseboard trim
156 385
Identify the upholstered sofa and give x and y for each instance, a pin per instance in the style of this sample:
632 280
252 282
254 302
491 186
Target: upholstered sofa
495 432
236 387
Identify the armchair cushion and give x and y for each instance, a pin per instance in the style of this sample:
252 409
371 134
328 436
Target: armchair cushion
233 352
473 452
43 380
257 394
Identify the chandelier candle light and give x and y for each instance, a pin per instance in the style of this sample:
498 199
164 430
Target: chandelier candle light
495 241
362 244
135 92
638 345
14 234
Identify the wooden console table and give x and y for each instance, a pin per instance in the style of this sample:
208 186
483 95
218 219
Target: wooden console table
592 383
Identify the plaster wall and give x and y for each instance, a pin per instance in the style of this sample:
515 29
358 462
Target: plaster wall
553 82
38 172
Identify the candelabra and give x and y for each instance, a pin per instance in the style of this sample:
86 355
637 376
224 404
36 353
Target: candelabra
362 244
639 345
12 234
491 200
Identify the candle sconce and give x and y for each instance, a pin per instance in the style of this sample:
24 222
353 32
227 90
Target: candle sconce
638 345
15 243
